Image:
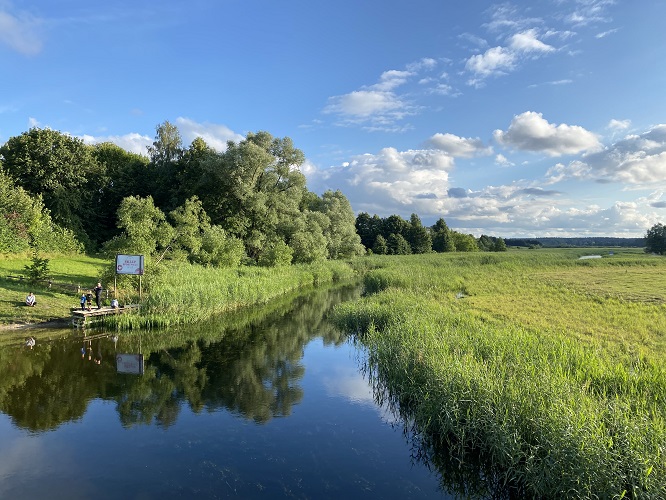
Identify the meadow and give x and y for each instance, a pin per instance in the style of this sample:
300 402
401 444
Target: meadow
529 373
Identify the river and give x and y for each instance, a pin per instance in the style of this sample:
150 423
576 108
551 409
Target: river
267 403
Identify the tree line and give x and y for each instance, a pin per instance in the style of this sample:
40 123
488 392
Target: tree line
247 204
394 235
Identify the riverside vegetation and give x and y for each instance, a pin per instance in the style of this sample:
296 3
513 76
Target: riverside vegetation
523 374
527 373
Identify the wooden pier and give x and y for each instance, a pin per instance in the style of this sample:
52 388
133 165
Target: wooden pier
85 317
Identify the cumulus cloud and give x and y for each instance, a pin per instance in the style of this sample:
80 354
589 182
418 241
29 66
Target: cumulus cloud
389 180
500 60
20 32
529 131
636 160
459 146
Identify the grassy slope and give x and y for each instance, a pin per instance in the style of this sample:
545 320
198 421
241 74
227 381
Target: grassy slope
51 304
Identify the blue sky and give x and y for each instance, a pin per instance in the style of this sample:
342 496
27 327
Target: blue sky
529 118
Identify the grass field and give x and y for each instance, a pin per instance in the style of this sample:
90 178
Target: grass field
538 372
52 303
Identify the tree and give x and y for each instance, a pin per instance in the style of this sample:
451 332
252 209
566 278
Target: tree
253 188
126 174
398 245
25 223
190 223
464 242
442 241
380 247
655 239
165 154
144 228
341 238
394 224
368 228
418 236
63 170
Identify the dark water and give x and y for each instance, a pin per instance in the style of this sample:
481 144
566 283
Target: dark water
261 404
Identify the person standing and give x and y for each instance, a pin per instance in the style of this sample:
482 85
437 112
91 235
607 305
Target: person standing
83 301
89 300
98 294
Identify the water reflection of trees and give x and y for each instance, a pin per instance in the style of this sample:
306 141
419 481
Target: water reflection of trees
248 363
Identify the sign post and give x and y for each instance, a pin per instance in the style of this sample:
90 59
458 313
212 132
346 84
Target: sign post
130 264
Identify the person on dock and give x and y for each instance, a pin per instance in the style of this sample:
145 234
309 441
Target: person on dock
83 301
89 300
98 295
114 304
31 300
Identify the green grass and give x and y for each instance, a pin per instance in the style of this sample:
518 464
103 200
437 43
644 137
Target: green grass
531 368
52 303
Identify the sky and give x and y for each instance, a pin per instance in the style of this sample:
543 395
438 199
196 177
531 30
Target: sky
516 119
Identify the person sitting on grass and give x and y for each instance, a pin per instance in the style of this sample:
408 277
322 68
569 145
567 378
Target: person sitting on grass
31 300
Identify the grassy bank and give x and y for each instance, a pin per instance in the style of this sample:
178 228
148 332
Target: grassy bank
184 293
52 303
172 293
538 372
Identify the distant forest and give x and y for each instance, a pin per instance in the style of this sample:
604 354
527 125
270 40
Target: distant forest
601 241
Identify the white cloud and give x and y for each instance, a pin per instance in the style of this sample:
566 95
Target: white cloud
132 142
365 103
527 42
636 160
531 132
459 146
19 32
502 161
494 61
390 180
215 135
500 60
618 124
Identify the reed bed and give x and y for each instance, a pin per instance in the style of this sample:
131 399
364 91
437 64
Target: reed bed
185 293
536 409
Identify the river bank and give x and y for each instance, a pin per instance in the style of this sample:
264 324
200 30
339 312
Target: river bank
540 373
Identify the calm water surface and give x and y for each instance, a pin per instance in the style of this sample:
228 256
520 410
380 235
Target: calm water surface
258 405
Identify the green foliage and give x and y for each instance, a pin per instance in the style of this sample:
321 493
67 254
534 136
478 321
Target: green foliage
144 228
62 170
491 244
380 247
398 245
277 253
418 236
219 249
38 270
655 239
464 242
25 223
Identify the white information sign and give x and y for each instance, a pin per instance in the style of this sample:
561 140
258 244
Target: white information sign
129 363
129 264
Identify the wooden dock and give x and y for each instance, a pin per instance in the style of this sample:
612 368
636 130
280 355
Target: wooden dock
85 317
